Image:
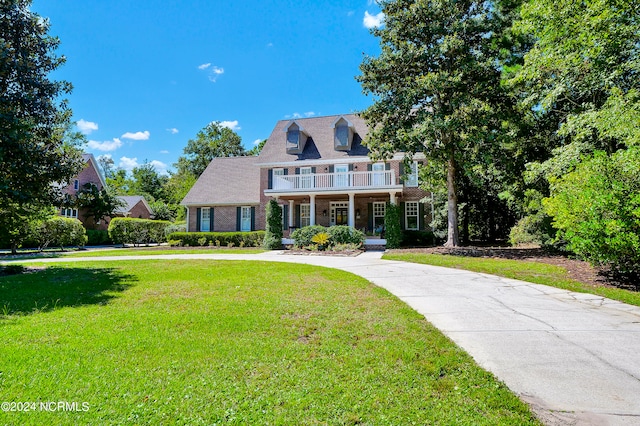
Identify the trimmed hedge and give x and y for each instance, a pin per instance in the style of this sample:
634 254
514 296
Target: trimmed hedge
61 232
222 239
128 230
98 237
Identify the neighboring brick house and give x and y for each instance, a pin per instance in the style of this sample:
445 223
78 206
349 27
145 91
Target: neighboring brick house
320 173
134 206
90 174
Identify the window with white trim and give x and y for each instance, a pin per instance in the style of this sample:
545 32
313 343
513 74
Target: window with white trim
205 219
305 215
411 212
379 210
411 178
278 182
306 181
73 213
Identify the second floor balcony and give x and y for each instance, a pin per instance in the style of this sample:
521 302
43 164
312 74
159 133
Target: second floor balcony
333 181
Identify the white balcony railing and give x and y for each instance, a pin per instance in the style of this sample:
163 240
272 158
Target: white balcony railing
334 181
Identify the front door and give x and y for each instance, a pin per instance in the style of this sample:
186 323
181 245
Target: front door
341 216
245 221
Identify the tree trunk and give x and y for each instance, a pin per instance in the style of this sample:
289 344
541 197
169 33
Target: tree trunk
14 248
452 204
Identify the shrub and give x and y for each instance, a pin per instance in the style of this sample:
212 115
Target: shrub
98 237
273 234
393 231
596 209
533 229
61 232
342 234
302 236
175 227
322 239
126 230
249 239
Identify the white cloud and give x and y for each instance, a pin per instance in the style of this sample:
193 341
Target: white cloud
215 73
257 141
160 167
86 127
269 44
373 21
350 13
164 151
173 130
137 136
233 125
298 115
128 163
204 66
106 145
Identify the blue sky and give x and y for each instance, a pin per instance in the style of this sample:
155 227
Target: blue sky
148 75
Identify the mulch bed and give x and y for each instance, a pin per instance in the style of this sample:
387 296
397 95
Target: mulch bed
577 269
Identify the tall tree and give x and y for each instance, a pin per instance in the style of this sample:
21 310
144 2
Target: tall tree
148 182
98 203
211 142
35 152
437 86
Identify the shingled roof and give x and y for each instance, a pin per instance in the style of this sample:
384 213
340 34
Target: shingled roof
227 181
319 146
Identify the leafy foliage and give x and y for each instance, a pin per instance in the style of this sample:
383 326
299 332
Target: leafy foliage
334 235
37 148
597 209
343 234
211 142
237 239
393 230
273 234
127 230
61 232
437 88
97 203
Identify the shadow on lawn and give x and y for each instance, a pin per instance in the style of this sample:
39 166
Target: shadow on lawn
51 288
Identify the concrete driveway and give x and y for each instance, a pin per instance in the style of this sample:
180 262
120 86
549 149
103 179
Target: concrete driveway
575 358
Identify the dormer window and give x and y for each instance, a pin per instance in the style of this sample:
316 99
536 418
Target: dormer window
296 138
343 132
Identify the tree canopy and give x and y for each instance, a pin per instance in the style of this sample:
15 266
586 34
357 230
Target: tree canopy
211 142
35 152
437 87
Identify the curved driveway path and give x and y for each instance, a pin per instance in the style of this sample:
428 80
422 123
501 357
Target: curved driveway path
575 358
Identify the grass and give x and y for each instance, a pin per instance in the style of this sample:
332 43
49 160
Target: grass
533 272
129 251
229 342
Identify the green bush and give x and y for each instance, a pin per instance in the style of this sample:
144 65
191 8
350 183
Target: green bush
61 232
302 236
175 227
393 230
596 209
98 237
127 230
273 234
342 234
533 229
239 239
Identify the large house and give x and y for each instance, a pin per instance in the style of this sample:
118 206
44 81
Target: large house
319 172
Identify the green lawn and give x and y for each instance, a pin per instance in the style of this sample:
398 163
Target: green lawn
533 272
230 342
129 251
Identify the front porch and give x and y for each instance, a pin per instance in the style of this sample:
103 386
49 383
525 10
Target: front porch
363 211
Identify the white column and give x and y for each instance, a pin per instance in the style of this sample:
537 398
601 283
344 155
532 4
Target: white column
291 214
351 219
392 198
312 207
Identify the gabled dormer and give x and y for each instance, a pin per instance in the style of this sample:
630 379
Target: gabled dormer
296 138
343 131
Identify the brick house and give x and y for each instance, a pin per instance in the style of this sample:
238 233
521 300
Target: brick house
90 174
320 173
135 206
